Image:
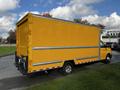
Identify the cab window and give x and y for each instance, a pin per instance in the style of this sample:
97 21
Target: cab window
102 44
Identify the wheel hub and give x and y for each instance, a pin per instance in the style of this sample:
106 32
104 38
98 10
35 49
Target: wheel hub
68 69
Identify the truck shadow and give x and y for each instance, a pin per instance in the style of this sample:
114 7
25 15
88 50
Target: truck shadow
40 77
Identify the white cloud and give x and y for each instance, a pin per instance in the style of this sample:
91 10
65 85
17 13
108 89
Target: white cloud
85 2
111 22
7 19
21 15
75 8
6 5
62 13
7 22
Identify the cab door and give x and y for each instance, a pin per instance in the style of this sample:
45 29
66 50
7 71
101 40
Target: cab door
103 51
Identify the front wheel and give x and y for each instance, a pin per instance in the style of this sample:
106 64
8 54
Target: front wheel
107 60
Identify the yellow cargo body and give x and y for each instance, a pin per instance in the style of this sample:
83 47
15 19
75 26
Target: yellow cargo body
46 43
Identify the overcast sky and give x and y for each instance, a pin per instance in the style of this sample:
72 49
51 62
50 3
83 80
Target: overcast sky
106 12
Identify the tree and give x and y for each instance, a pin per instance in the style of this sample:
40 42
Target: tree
12 36
119 35
47 15
88 23
78 20
101 26
81 21
0 39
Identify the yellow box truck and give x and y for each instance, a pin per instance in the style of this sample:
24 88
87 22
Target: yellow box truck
47 43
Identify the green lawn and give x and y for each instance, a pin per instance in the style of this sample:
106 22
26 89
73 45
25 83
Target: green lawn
5 50
104 77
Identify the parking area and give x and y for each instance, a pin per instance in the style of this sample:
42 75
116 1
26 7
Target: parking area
12 79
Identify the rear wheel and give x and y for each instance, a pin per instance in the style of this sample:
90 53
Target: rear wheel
67 68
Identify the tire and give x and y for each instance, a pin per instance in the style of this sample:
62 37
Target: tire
67 68
108 59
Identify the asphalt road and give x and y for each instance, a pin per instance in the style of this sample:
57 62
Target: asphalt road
11 79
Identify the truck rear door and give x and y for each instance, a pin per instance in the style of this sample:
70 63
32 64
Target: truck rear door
22 38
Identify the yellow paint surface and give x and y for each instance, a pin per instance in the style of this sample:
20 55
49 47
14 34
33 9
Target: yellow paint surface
36 31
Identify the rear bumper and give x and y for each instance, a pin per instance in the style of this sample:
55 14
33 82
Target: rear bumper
21 64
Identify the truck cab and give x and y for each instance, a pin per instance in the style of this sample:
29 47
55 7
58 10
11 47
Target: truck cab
105 52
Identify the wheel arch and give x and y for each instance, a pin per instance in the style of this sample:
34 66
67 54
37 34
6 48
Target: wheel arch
109 54
70 61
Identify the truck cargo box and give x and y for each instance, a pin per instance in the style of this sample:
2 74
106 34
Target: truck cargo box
45 43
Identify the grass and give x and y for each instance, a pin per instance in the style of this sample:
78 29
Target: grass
104 77
5 50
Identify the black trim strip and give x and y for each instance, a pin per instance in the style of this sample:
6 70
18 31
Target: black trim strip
87 57
44 63
63 47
